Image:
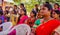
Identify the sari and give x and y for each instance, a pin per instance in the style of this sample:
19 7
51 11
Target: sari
48 27
30 22
22 20
13 19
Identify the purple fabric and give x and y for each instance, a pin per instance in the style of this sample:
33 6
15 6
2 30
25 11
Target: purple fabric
13 32
2 18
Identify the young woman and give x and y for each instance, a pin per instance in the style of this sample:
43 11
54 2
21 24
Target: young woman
1 18
38 21
23 16
56 15
30 21
13 18
48 24
56 6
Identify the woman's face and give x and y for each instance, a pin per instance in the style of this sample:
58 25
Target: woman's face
39 15
31 14
22 12
44 11
15 7
20 6
55 6
54 15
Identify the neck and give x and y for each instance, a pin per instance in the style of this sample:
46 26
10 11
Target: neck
58 18
32 17
23 15
47 17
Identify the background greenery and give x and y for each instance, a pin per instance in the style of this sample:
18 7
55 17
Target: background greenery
29 4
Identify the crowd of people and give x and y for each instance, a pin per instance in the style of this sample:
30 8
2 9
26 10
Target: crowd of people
47 18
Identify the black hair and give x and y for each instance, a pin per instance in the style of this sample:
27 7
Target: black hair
49 6
57 4
57 11
1 12
47 2
15 5
21 15
34 13
36 4
6 7
22 4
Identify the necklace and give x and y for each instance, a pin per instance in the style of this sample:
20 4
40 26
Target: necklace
46 20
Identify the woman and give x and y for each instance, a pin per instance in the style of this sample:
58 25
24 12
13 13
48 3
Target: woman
13 18
56 15
56 6
38 21
30 21
48 24
1 16
23 16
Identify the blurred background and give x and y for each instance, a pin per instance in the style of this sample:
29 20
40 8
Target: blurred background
29 4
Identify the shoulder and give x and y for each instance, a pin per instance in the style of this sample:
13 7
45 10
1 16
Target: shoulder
54 21
25 16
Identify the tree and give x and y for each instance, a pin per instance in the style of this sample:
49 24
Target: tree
17 2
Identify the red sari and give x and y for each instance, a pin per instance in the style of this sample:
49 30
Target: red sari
30 22
47 28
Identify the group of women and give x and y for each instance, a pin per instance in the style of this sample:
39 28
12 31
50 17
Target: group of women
43 21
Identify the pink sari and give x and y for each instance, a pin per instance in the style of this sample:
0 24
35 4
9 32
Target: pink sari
22 20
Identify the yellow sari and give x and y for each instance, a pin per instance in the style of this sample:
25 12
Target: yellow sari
13 19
